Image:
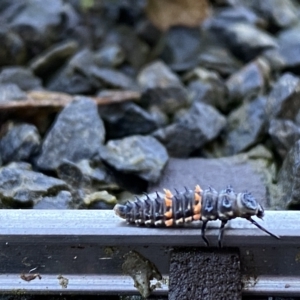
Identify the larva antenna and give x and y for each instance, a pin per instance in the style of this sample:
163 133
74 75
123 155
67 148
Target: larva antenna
263 229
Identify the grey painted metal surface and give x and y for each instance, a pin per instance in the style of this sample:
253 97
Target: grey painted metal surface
83 251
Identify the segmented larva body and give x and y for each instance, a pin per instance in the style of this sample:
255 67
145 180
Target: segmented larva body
188 206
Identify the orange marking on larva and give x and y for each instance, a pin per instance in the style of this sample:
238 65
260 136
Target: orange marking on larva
168 198
198 189
196 217
197 197
197 208
197 200
168 214
169 222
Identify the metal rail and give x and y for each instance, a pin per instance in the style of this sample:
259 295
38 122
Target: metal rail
82 251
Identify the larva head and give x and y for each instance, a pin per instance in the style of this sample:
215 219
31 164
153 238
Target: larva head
120 210
260 212
248 205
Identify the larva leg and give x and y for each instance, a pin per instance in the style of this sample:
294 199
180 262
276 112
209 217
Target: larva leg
203 233
221 232
263 229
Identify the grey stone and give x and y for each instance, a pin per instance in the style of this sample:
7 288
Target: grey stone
112 78
229 15
13 50
70 82
74 77
289 179
110 56
249 82
20 76
220 60
207 87
278 13
162 87
140 155
22 188
20 143
183 57
50 60
77 134
148 32
246 41
246 126
201 124
284 134
62 200
275 60
11 92
38 22
284 98
289 47
136 51
126 119
87 174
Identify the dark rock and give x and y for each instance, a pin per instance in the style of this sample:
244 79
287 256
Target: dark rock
140 155
77 134
136 51
284 98
70 82
246 41
289 178
109 56
182 45
74 77
162 88
220 60
249 82
82 61
148 32
289 47
86 174
20 143
275 60
284 134
160 118
62 200
207 87
13 51
38 23
20 76
70 173
226 16
278 13
23 188
201 124
10 91
112 78
126 119
245 126
49 61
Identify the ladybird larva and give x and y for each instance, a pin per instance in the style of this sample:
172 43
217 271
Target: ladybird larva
189 205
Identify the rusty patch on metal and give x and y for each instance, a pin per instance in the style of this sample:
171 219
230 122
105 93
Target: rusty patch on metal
63 281
141 270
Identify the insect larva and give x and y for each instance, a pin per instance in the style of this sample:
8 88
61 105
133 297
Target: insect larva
188 206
